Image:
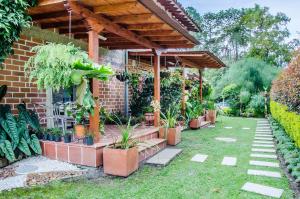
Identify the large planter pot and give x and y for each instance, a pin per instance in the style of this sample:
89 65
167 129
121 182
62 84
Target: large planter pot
120 162
195 123
79 131
211 115
149 117
173 135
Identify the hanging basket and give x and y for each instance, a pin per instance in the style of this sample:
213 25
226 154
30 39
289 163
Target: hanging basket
122 76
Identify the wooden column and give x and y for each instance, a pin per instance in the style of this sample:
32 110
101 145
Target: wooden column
201 85
94 55
183 92
156 87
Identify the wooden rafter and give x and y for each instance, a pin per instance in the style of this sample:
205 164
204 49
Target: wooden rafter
133 19
99 20
115 7
145 27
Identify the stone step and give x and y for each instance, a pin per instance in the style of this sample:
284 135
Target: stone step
164 157
263 150
263 142
264 145
264 163
261 138
150 147
229 161
272 174
199 158
262 189
204 124
261 155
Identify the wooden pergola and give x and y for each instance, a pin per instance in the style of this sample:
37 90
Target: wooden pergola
184 59
119 24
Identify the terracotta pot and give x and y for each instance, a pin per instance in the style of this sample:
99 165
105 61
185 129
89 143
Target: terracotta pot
120 162
195 123
79 131
211 115
173 135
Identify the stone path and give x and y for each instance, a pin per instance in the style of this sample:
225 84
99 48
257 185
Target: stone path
264 150
228 127
229 161
226 139
199 158
164 157
34 165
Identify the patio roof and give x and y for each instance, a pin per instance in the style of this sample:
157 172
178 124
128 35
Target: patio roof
190 59
122 24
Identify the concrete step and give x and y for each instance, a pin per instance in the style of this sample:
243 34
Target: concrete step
150 147
164 157
204 124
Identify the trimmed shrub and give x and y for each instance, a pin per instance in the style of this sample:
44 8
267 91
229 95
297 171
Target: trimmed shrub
290 121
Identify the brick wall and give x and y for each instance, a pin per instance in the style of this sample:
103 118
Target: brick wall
19 88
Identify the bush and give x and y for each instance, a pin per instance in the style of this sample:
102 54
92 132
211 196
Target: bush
286 88
289 120
257 105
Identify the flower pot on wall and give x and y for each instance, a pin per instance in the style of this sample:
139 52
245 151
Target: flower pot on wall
195 123
79 131
67 138
57 138
89 140
120 162
211 115
172 135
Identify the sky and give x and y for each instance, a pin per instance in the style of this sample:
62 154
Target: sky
289 7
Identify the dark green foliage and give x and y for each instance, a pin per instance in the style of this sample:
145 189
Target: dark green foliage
3 90
14 19
17 134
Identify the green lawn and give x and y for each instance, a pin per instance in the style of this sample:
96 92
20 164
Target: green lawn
180 179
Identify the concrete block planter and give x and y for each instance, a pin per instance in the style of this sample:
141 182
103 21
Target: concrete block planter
120 162
211 115
195 124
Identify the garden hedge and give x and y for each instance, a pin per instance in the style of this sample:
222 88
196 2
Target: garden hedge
290 121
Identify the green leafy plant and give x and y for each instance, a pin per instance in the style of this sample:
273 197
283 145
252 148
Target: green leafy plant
169 118
3 90
14 18
17 134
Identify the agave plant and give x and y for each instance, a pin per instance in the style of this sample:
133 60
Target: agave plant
15 136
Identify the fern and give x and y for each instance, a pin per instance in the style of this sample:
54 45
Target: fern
23 146
7 150
35 144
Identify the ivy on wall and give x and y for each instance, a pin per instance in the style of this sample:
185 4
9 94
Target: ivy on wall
14 19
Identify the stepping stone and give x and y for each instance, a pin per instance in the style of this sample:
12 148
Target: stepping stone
261 135
26 168
273 174
263 142
12 182
261 138
229 161
260 155
164 157
246 128
225 139
228 127
264 163
262 189
263 150
264 145
263 131
199 158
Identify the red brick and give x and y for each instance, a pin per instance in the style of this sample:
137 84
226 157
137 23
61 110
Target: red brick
75 154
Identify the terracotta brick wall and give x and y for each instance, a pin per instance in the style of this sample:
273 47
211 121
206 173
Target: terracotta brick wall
19 88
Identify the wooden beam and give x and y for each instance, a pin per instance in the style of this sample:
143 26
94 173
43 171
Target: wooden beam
201 85
61 24
146 27
39 17
166 38
49 2
94 55
156 66
133 19
73 30
178 45
174 42
110 26
120 7
159 33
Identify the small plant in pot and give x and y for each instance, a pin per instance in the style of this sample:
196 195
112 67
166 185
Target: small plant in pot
45 134
122 158
170 130
193 112
211 113
89 138
80 114
149 115
68 136
56 134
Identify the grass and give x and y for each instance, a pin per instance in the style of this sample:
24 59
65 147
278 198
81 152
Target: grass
181 178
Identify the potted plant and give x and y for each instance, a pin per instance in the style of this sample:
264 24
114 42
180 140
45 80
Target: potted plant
193 113
122 158
211 113
122 76
89 138
79 113
56 134
67 136
149 115
45 134
170 130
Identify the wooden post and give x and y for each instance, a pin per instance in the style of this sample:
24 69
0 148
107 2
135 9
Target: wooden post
183 92
156 87
201 85
94 55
